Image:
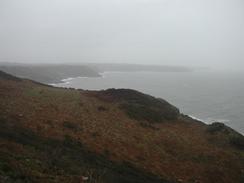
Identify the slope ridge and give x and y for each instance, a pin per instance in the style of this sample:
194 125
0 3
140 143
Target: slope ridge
62 124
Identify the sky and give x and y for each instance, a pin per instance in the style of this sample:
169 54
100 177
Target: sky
202 33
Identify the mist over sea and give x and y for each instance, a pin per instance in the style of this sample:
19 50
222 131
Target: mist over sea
207 95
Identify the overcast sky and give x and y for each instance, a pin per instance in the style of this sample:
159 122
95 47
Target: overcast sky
168 32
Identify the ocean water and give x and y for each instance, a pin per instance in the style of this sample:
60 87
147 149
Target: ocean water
206 95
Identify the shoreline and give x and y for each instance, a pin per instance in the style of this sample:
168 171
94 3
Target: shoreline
67 80
208 119
100 75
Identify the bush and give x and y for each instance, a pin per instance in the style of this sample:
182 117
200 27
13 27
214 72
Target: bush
216 127
140 106
237 141
148 125
139 112
70 125
101 108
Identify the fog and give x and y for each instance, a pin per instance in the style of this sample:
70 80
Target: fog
202 33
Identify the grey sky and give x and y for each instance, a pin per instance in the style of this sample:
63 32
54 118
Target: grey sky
176 32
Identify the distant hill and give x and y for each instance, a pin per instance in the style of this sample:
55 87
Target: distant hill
50 134
49 73
139 67
53 73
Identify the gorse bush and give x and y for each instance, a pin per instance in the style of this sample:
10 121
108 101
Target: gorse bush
140 112
233 137
216 127
140 106
70 125
101 108
238 141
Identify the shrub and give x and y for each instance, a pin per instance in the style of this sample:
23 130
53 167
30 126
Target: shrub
140 112
140 106
95 134
148 125
101 108
238 141
216 127
70 125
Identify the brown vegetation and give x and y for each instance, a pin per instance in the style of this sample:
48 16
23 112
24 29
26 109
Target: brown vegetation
52 134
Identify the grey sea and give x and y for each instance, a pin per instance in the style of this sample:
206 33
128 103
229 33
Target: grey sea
209 96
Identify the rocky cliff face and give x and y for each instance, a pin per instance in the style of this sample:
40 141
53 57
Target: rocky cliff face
50 134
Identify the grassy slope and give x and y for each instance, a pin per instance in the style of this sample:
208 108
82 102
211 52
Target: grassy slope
51 134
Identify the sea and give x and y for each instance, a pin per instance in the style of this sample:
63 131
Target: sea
207 95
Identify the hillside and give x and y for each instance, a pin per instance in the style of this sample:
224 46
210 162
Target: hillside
50 134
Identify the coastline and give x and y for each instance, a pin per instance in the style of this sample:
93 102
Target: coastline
208 118
102 75
69 79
